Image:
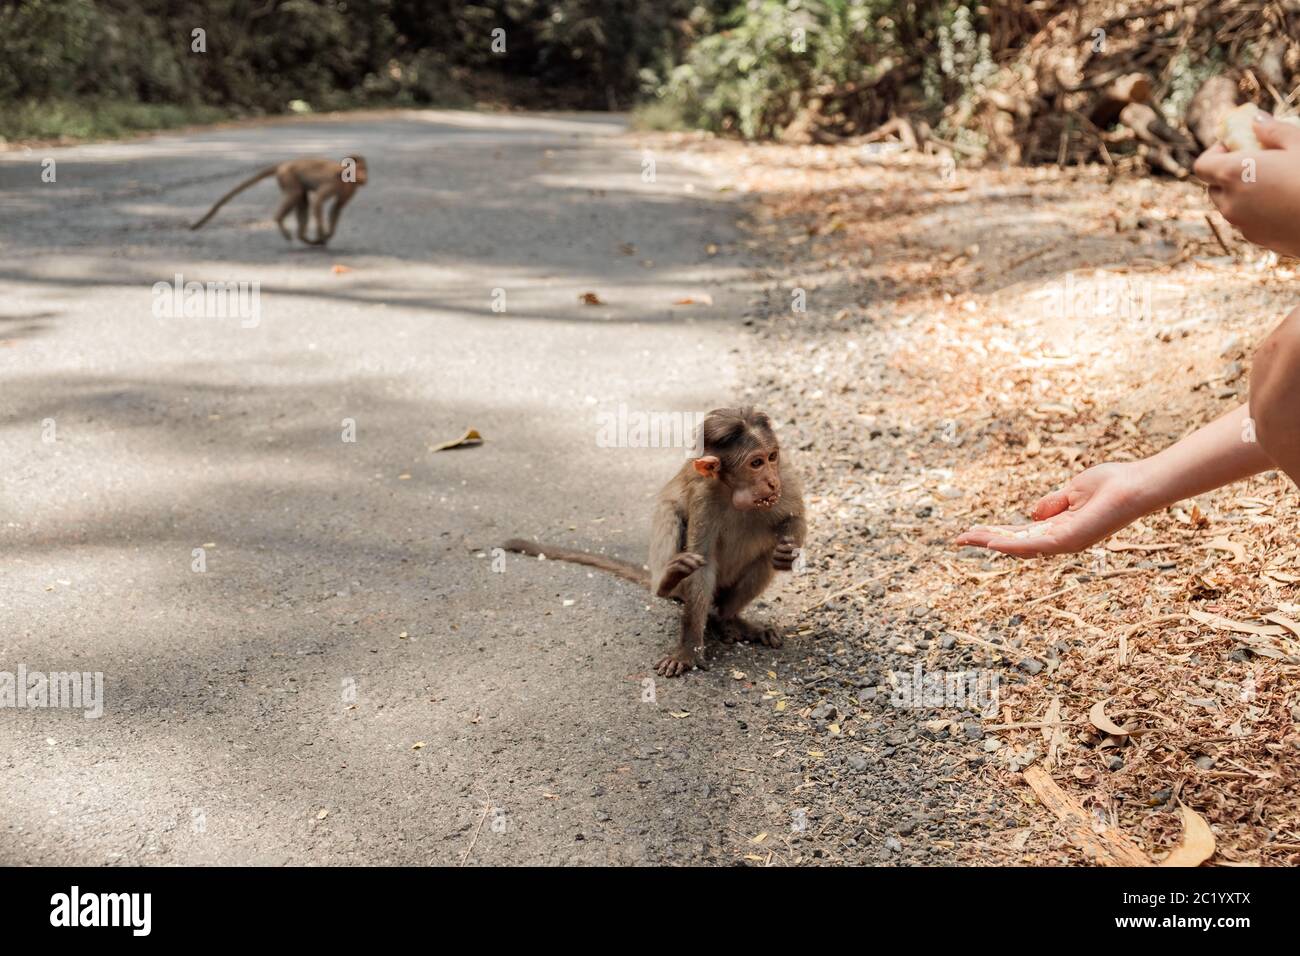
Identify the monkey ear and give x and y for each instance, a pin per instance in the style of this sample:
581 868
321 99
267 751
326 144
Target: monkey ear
708 466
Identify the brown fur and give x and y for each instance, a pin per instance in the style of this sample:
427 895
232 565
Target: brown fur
624 569
721 529
305 186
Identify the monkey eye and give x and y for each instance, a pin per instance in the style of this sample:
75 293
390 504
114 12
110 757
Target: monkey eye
772 457
756 463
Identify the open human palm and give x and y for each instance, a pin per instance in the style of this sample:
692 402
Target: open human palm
1090 508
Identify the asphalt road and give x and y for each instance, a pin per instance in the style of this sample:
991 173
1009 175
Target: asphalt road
349 680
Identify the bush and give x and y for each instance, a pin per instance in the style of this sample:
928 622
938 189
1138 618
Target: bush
854 60
262 54
752 70
98 118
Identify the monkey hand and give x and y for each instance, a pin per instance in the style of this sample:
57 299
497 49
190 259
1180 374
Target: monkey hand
783 558
679 568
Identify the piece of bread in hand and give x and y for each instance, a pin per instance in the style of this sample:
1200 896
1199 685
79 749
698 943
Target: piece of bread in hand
1237 131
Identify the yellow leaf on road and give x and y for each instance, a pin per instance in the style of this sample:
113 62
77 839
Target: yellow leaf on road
470 438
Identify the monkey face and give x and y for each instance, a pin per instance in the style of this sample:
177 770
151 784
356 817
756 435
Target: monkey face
756 480
741 451
754 477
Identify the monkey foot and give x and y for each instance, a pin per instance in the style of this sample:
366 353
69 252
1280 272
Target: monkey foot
680 567
728 632
677 662
738 629
718 629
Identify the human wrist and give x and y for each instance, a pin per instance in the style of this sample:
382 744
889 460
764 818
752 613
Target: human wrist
1146 486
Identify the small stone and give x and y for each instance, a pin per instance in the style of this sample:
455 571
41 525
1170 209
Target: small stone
1115 763
991 744
602 816
973 730
824 712
893 846
1031 666
948 642
1205 762
867 694
859 762
949 492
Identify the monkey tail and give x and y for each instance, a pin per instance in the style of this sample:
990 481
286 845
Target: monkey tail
269 171
624 569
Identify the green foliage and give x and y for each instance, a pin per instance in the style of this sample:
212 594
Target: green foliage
98 119
1187 74
750 75
857 57
262 54
750 69
963 64
44 44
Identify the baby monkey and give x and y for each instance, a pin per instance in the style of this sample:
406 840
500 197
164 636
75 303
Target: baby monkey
305 186
722 527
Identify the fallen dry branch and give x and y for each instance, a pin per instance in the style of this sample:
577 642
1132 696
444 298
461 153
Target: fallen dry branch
1105 846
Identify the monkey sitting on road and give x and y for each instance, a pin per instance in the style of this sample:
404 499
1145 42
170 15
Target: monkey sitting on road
305 186
725 523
